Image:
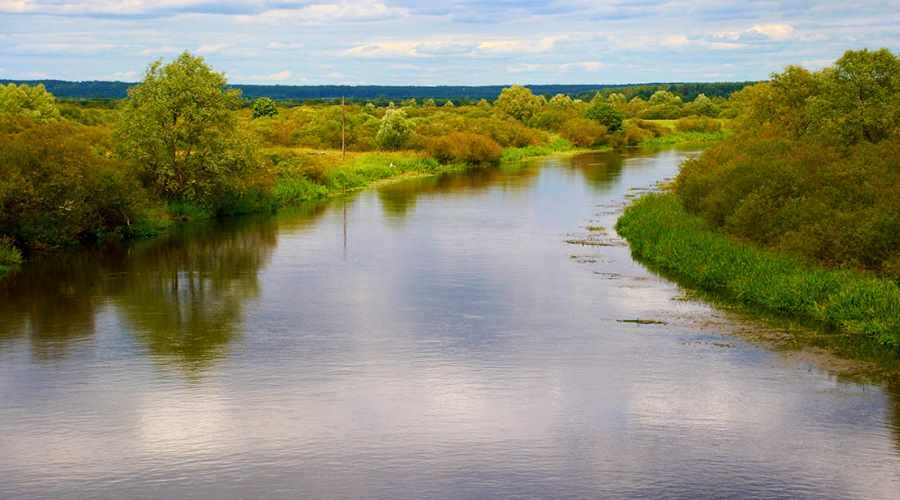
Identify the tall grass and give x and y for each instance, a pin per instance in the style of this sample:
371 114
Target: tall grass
669 239
10 256
557 145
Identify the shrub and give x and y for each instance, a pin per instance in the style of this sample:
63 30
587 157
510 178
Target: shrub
605 115
583 132
60 184
9 255
394 131
519 102
465 147
698 124
264 107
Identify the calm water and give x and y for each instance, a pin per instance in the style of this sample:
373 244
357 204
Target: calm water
437 338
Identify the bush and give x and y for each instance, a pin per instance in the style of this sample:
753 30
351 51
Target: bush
60 184
465 147
839 207
698 124
583 132
394 131
605 115
264 107
10 256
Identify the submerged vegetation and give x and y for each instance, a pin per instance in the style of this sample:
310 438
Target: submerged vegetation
798 212
184 145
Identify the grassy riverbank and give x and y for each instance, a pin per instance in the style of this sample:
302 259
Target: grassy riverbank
682 246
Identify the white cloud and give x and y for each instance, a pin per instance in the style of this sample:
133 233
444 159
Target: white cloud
150 51
465 45
348 10
774 31
284 45
126 76
212 48
590 66
759 32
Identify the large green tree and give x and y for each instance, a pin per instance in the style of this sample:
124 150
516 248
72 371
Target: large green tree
31 101
519 102
178 125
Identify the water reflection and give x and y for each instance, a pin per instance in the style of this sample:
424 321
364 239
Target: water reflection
186 302
182 295
54 304
398 200
457 351
600 169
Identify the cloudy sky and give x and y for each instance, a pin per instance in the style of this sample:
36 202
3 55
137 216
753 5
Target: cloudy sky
440 42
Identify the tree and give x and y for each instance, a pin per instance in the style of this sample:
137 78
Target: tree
179 128
561 102
394 131
33 102
860 97
701 106
606 115
519 102
264 107
664 97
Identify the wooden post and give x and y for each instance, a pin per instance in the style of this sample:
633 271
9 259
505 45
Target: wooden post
343 140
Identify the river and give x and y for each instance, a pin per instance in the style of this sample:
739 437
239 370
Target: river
434 338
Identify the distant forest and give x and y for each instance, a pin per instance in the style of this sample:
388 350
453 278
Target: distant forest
460 94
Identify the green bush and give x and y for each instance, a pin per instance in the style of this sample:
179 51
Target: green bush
10 256
60 184
605 115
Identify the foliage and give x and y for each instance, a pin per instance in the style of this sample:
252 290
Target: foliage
394 131
518 102
806 174
33 102
465 147
661 233
583 132
60 185
264 107
10 256
698 124
178 126
606 115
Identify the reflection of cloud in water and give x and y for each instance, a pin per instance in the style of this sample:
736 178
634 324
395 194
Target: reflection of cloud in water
462 354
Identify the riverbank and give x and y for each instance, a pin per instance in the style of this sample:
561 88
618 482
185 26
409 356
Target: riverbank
681 246
304 175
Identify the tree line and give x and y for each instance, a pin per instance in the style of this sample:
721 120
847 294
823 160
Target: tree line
184 143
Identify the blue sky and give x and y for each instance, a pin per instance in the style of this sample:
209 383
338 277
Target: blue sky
439 42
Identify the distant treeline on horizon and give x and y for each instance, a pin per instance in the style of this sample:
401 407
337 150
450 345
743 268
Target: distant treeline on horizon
117 90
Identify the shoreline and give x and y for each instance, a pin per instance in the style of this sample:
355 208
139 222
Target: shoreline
852 314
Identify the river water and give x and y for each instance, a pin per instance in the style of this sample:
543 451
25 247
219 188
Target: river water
435 338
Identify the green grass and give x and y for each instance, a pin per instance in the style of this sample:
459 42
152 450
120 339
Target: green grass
10 257
684 139
678 244
557 145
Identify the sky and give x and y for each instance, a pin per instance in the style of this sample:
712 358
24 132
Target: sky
452 42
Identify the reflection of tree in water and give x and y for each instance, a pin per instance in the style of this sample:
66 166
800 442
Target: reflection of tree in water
185 296
600 169
53 302
398 199
892 390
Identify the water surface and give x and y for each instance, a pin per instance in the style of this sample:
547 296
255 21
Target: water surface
436 338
